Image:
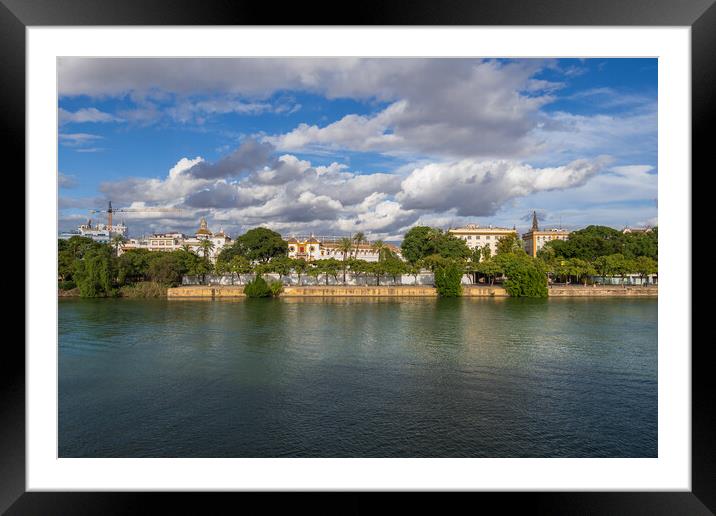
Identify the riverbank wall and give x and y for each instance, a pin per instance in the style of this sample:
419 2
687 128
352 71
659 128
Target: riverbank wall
604 291
221 291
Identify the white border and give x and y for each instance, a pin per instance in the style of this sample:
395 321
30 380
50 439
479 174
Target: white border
671 471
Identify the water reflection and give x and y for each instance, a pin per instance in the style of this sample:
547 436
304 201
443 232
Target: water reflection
342 377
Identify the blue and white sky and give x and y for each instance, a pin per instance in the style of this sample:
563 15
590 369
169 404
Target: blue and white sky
339 145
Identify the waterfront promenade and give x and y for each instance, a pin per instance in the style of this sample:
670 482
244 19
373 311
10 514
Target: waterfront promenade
223 291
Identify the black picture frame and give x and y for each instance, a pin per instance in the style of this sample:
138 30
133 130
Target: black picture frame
16 15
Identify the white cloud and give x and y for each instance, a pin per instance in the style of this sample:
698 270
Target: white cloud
480 188
292 194
78 139
66 180
85 115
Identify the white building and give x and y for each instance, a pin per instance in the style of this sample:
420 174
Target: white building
98 232
476 236
218 241
312 248
175 241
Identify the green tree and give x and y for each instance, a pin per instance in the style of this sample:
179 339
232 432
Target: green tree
314 271
380 248
359 238
414 269
239 265
198 266
603 266
581 269
282 266
490 269
345 245
395 268
619 265
645 266
525 276
167 268
117 242
261 244
434 261
133 265
448 280
330 267
94 273
300 267
359 268
71 250
589 243
377 270
206 247
511 243
417 243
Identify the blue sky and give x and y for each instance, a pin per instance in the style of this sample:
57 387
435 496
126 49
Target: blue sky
335 146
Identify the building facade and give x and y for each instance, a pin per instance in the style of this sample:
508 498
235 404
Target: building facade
628 230
475 235
312 248
176 241
535 239
98 232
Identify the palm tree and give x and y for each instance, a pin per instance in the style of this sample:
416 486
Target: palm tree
206 247
344 246
186 247
359 238
381 248
117 241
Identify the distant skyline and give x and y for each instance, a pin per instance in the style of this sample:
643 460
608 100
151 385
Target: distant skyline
340 145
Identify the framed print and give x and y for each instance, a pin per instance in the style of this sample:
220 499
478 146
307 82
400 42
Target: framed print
413 250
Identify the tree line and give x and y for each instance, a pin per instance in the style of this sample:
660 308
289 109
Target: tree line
95 270
98 270
601 251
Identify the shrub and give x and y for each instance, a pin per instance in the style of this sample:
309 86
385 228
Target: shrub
276 288
525 279
257 287
143 289
447 280
67 285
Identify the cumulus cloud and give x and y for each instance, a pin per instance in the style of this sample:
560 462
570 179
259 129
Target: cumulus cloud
444 107
291 194
441 108
249 156
482 188
475 133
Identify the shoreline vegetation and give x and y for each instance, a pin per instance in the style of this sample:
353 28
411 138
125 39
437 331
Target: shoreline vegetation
586 263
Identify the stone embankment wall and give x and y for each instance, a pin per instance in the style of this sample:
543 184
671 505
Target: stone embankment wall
604 291
405 291
360 291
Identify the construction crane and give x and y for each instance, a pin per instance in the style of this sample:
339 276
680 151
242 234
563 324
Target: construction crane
109 211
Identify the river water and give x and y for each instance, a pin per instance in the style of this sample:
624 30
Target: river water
350 377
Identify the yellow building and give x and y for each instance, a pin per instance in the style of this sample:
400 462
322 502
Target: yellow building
475 235
307 248
535 238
